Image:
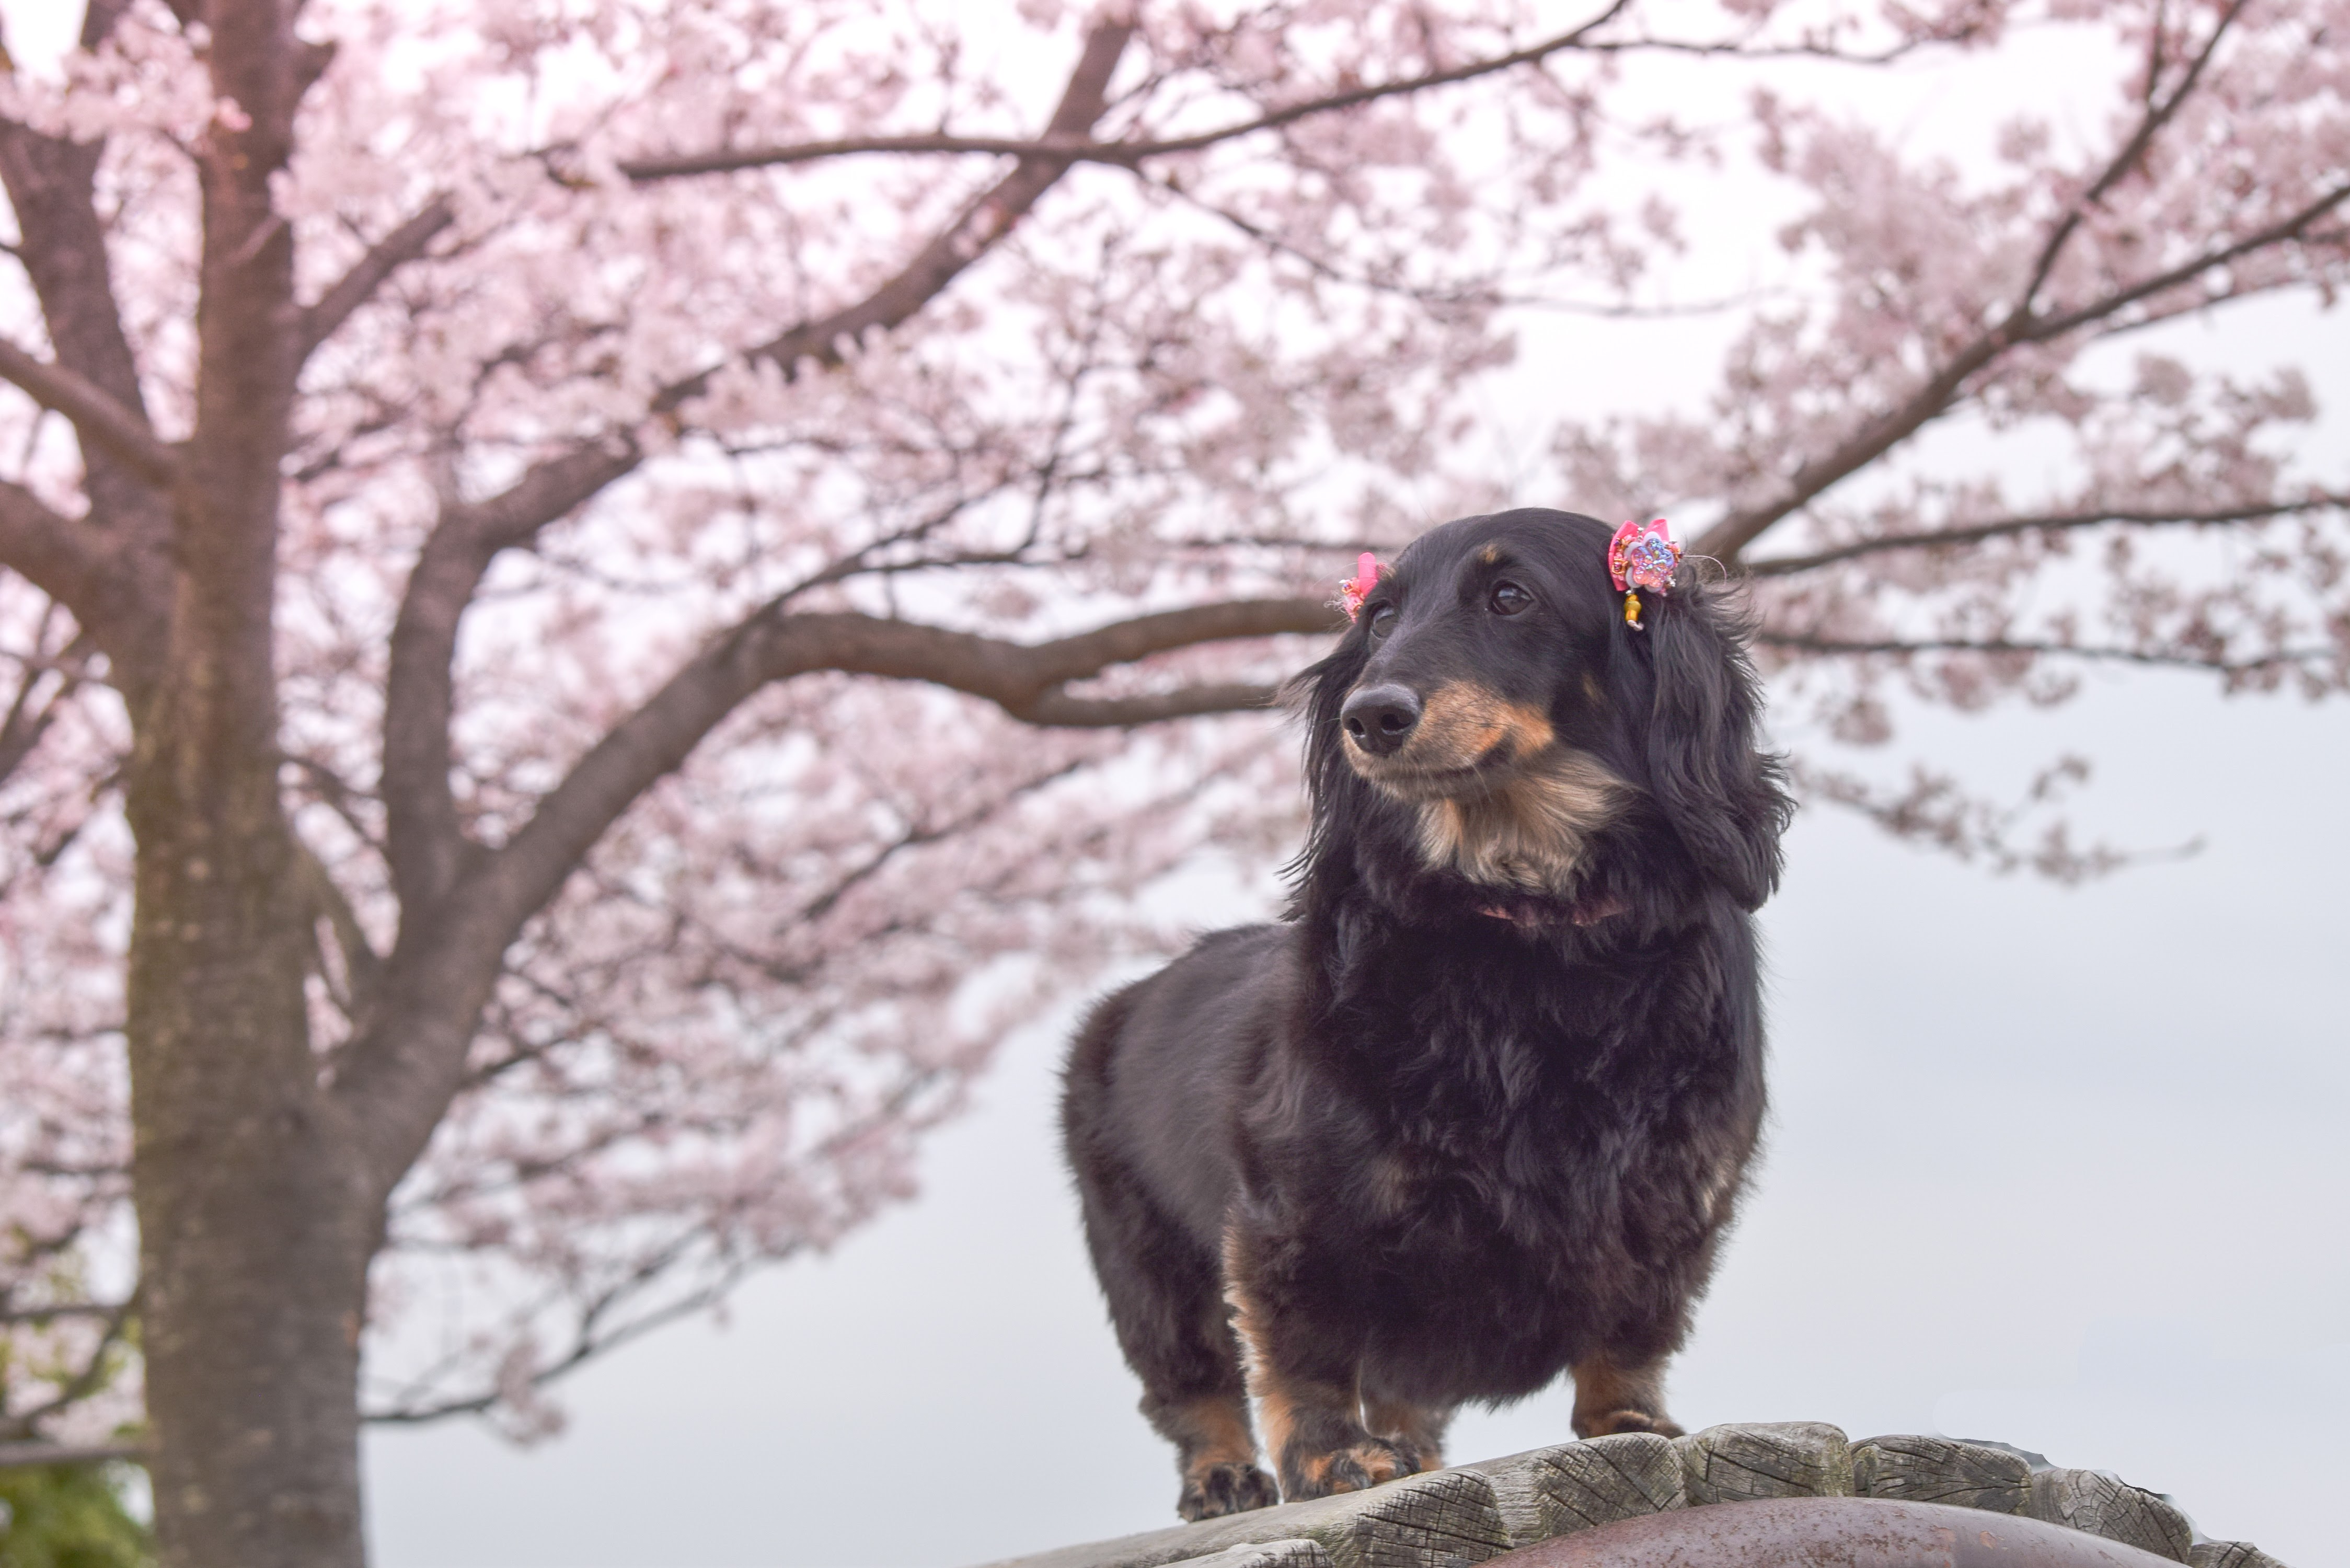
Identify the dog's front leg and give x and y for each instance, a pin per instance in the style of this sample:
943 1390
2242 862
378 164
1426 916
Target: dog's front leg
1419 1428
1302 1379
1621 1394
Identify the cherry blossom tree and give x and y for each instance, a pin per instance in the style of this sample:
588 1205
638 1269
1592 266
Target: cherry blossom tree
599 594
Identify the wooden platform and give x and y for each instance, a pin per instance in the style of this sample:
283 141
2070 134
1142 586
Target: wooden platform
1455 1517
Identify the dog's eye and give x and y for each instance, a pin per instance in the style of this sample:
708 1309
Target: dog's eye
1508 599
1383 621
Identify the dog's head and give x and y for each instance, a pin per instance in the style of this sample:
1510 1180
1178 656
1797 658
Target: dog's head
1491 687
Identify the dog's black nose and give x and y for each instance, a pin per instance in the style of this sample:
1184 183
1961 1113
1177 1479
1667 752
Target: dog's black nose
1379 719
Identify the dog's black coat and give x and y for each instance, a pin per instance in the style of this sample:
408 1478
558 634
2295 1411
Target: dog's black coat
1444 1133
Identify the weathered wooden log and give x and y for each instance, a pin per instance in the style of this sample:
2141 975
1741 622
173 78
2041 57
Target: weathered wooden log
2105 1505
1573 1486
1939 1470
1593 1492
1831 1532
1779 1459
2229 1555
1291 1553
1447 1518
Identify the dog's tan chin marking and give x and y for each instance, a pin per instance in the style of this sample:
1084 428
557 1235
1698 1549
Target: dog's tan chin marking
1529 833
1499 802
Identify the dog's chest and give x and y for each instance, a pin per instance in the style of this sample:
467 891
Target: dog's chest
1462 1173
1504 1131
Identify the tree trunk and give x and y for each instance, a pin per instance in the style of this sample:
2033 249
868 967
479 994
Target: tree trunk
254 1223
256 1217
254 1228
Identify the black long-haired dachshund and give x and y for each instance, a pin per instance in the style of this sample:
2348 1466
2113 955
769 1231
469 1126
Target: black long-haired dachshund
1478 1112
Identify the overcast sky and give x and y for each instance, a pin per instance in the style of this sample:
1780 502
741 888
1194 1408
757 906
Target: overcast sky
2064 1168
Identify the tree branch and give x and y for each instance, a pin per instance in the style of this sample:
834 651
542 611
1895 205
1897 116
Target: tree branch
355 288
18 1456
422 840
1075 148
62 243
422 831
33 711
119 432
594 1331
2043 328
64 560
1128 154
15 1316
2132 153
94 1373
973 234
1726 538
2047 523
1024 679
1058 710
402 1072
1803 643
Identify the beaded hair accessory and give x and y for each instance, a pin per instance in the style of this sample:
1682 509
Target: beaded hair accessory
1642 556
1357 588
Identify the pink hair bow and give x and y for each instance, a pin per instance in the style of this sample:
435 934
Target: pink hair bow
1642 556
1357 588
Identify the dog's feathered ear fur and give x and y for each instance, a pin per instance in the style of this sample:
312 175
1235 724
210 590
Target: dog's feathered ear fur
1724 797
1316 693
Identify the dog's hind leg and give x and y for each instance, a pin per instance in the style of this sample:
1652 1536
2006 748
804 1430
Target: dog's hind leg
1613 1397
1215 1452
1166 1302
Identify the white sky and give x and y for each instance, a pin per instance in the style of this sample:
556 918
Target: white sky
2064 1169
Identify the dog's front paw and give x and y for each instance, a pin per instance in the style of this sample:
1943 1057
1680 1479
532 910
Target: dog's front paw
1615 1421
1214 1490
1365 1463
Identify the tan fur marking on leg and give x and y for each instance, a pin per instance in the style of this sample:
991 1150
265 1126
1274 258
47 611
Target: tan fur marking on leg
1418 1426
1375 1462
1282 1403
1213 1431
1276 1413
1612 1398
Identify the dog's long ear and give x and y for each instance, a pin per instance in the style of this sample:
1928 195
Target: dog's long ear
1722 793
1316 693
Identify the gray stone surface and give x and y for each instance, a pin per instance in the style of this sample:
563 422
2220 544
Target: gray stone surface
1914 1469
2106 1505
1553 1491
1781 1459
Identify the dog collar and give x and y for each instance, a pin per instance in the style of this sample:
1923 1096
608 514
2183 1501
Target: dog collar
1584 912
1642 556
